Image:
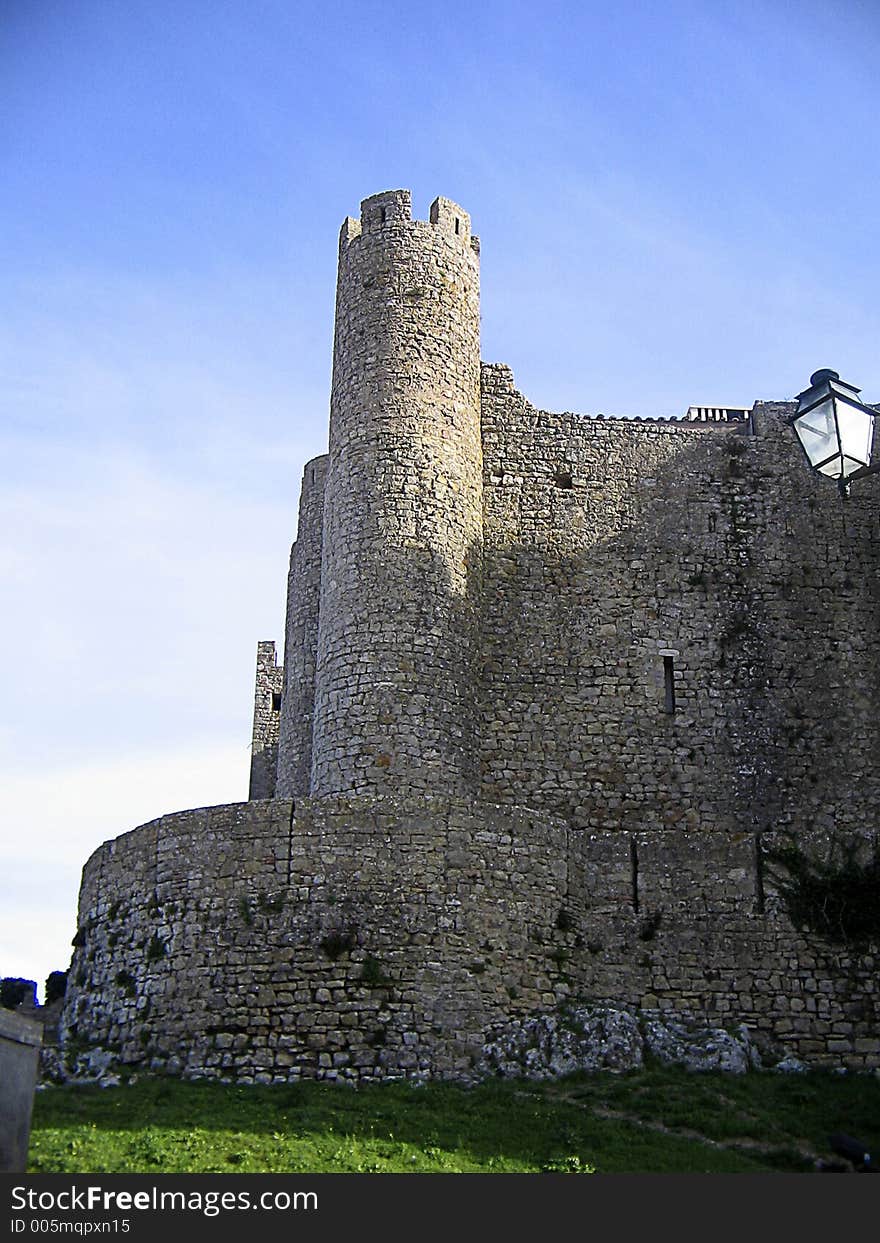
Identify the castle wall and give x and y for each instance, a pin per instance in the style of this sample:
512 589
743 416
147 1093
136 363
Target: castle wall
557 693
695 923
267 712
356 938
403 514
369 938
301 637
622 556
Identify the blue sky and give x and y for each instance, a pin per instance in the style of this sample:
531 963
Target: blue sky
677 204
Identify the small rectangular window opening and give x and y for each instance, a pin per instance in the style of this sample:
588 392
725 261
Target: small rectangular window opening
456 224
634 873
669 683
383 214
276 701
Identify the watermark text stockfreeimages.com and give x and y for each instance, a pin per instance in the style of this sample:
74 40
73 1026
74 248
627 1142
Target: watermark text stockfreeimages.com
94 1198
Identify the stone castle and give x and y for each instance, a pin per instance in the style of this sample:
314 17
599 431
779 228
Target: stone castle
568 705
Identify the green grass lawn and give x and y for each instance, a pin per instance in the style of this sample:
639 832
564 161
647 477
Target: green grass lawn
647 1121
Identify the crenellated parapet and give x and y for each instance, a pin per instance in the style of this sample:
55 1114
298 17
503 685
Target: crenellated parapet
393 209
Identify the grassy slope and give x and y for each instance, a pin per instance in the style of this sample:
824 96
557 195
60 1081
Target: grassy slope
655 1121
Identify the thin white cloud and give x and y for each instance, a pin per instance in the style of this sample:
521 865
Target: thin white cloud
51 822
136 599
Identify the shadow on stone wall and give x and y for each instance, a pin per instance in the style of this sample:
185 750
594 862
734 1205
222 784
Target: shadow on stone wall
383 936
748 580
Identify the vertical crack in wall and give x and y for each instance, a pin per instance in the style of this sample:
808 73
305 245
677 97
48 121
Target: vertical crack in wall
290 841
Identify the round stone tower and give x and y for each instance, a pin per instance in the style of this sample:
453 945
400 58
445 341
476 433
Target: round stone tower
395 682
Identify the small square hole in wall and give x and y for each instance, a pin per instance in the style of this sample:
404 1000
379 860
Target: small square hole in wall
563 479
276 701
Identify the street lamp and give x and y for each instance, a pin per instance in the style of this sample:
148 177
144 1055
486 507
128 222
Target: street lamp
835 429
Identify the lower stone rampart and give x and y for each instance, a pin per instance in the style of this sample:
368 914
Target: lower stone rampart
364 938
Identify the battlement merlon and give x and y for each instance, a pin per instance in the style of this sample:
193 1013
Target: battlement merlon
388 207
379 211
267 658
446 215
392 208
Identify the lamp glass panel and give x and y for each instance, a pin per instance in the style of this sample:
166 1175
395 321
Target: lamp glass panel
818 434
856 429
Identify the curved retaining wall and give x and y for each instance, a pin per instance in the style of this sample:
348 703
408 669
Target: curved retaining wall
358 939
363 939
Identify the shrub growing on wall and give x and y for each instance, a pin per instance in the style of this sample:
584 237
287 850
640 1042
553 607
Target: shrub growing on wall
13 991
837 899
56 986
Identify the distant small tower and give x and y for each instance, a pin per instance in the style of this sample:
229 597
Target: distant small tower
267 707
294 763
394 690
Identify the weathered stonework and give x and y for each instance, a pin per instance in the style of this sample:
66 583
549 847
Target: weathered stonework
615 546
301 637
355 938
556 691
267 712
365 938
402 529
